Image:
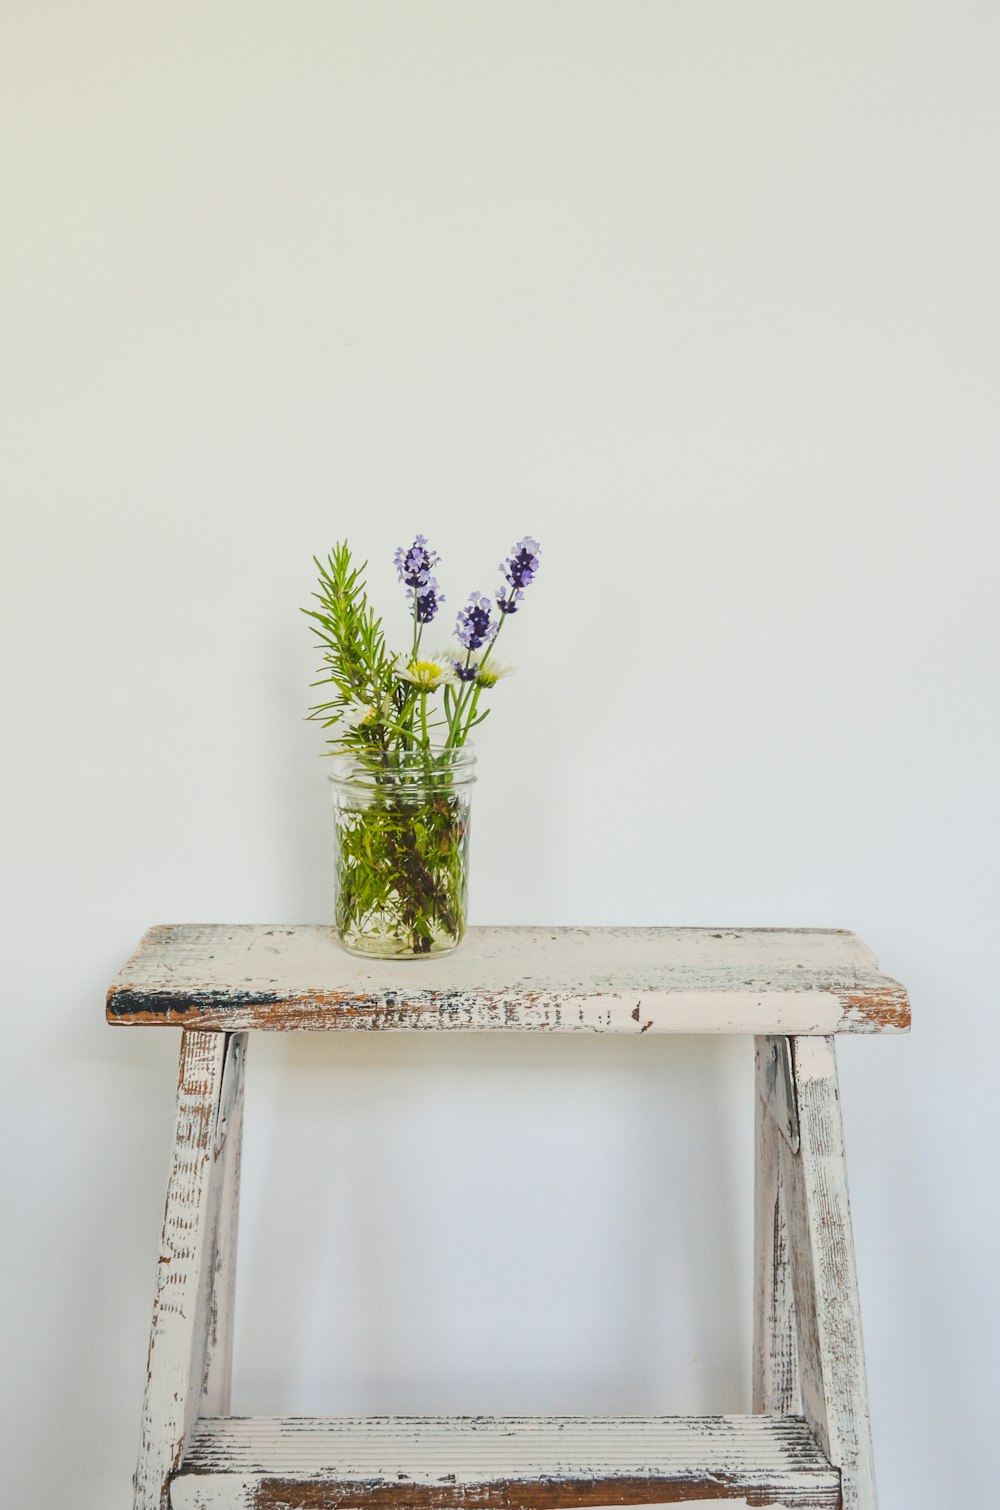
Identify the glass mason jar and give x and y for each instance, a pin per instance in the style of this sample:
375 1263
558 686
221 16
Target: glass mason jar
401 823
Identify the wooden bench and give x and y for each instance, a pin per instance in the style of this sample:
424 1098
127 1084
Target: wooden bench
807 1442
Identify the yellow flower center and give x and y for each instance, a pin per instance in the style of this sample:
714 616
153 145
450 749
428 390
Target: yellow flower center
426 672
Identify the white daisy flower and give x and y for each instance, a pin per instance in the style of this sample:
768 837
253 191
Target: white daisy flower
357 714
426 672
492 672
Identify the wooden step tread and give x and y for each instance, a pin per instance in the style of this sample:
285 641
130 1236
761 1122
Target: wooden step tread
502 1463
570 980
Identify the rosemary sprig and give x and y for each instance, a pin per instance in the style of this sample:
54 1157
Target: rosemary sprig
355 660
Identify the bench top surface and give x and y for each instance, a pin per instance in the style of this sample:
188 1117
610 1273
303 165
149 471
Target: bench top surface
612 980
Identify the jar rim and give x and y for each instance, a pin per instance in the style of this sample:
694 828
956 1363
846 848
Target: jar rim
408 767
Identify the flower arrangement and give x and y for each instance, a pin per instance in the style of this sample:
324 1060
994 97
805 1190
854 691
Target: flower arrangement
402 763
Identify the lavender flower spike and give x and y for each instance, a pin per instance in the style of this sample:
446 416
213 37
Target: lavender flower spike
429 599
473 627
415 565
520 569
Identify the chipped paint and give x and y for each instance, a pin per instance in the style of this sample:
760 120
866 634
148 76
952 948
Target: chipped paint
880 1010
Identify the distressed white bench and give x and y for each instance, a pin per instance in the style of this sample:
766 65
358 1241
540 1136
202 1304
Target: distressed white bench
808 1441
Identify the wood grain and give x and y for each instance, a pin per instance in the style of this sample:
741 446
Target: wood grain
589 980
511 1463
775 1376
181 1304
827 1306
218 1370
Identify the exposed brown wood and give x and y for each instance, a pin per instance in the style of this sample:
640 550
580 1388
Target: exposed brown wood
883 1010
294 1494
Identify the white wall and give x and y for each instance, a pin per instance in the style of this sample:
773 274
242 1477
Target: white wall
703 295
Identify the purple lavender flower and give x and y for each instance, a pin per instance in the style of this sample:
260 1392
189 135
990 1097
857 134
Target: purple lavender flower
520 569
507 600
473 627
466 671
415 565
429 599
521 566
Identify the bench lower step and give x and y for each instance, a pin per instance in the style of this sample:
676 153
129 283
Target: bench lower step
502 1463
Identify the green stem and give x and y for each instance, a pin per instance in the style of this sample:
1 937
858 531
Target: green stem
471 719
469 696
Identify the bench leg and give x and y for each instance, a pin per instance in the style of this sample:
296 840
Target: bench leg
824 1279
209 1079
218 1375
775 1346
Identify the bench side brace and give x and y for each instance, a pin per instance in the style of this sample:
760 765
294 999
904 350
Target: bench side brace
808 1351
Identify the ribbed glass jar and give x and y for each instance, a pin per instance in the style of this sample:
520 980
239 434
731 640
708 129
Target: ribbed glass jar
401 841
